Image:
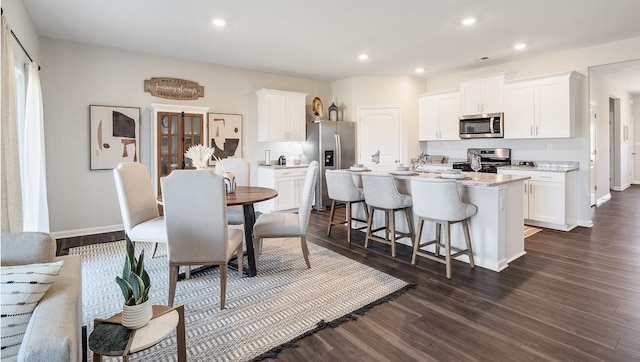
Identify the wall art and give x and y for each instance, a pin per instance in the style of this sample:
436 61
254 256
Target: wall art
225 135
114 136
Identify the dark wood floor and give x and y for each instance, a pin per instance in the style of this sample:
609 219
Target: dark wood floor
575 296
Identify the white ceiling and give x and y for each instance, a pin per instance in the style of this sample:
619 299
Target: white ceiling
624 74
322 39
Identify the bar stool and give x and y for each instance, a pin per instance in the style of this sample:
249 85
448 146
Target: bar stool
439 201
381 193
342 189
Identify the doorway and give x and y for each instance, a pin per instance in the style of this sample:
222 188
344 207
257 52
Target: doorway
614 149
379 129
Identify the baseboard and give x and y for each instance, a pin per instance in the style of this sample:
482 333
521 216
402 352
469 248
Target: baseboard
585 223
621 188
603 199
87 231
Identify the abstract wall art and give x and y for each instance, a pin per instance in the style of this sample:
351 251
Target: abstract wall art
225 135
114 136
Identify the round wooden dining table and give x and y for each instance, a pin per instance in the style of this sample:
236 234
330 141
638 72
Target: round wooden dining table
247 196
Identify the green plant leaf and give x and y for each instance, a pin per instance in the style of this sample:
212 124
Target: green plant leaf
127 290
137 285
140 263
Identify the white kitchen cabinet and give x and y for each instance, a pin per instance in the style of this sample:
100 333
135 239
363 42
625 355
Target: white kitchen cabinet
288 181
438 117
542 107
482 95
549 198
281 115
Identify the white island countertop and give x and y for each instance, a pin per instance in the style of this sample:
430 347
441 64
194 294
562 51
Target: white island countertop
484 179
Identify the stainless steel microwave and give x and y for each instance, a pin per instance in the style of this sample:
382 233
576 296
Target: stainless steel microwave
482 125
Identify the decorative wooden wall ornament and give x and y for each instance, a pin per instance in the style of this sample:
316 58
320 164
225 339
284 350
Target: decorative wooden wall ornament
173 88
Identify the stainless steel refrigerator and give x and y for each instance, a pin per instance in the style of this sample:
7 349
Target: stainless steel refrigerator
333 145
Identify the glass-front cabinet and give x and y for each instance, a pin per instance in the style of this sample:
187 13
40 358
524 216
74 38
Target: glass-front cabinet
172 130
176 133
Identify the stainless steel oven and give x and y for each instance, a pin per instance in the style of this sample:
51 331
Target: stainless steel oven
482 125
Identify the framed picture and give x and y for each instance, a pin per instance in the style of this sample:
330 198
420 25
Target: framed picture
225 135
115 134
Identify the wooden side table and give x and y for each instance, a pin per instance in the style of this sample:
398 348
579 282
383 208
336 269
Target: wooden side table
110 338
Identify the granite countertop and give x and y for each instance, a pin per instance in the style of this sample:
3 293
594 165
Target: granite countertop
484 179
285 166
542 168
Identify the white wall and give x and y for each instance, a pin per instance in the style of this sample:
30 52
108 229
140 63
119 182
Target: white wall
76 75
401 91
21 25
574 149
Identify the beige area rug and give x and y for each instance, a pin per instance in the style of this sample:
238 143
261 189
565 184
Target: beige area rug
283 303
530 230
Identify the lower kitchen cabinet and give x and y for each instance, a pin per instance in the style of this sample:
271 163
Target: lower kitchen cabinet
549 198
288 181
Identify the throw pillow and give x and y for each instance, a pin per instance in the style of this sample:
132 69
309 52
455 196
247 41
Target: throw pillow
22 287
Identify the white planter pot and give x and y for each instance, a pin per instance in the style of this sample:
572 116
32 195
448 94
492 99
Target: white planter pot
137 316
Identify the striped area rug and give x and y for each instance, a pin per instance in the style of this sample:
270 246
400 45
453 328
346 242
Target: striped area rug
282 303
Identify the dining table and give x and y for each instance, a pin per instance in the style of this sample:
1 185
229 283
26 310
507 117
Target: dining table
247 196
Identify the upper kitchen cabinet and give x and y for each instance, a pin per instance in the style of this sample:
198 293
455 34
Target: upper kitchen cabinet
438 117
542 107
281 115
482 95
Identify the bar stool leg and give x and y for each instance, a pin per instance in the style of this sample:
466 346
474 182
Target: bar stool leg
447 247
392 227
467 239
331 214
439 240
416 244
409 214
348 206
369 222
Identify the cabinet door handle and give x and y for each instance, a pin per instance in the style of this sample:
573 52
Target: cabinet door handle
537 130
546 176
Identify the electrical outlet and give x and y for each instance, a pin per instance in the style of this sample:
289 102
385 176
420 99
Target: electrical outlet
549 147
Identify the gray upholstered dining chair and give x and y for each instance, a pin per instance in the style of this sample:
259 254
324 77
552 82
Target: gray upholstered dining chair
195 211
240 169
381 193
439 201
282 225
342 189
140 216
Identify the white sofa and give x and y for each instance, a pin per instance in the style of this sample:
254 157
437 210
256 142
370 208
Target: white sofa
54 332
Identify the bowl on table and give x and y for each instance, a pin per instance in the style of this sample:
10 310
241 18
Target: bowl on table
358 165
402 168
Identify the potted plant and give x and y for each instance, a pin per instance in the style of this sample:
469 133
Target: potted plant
135 283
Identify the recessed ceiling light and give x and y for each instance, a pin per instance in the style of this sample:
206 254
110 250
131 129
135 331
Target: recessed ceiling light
219 22
519 46
468 21
363 57
419 70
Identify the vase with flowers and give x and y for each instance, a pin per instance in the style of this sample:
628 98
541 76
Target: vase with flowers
199 155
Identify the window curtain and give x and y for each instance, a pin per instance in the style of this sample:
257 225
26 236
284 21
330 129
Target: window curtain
32 156
11 194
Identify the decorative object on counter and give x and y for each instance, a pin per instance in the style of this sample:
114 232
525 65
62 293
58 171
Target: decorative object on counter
282 160
296 149
476 163
435 159
423 158
135 284
333 112
225 135
267 157
199 155
173 88
316 107
228 177
112 126
375 158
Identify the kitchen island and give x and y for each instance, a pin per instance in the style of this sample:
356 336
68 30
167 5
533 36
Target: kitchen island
497 230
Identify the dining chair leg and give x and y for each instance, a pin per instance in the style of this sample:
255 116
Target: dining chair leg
331 214
256 248
305 251
467 239
240 259
173 280
223 285
155 248
187 271
447 247
416 244
392 228
348 206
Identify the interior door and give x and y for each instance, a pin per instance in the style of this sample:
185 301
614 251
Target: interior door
379 129
593 176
